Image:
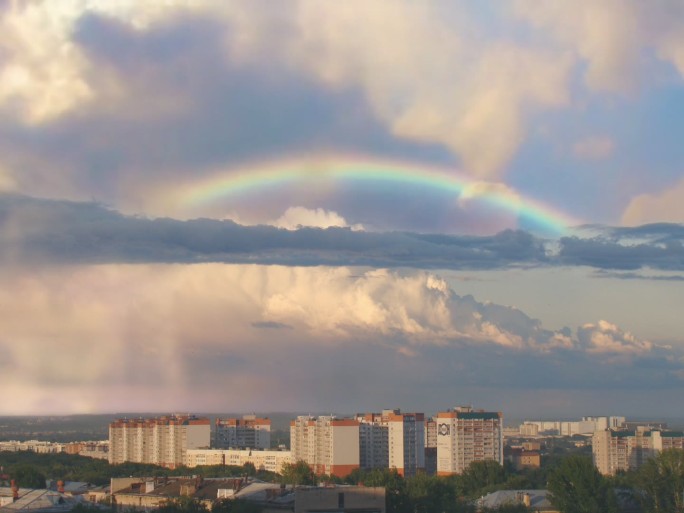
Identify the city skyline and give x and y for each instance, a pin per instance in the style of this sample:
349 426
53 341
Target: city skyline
341 206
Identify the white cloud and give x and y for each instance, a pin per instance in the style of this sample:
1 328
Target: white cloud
614 37
594 148
167 329
666 206
426 78
296 217
605 337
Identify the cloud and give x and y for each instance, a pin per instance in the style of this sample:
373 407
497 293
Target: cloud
297 217
658 246
605 337
473 95
594 148
664 206
179 333
614 38
48 231
271 325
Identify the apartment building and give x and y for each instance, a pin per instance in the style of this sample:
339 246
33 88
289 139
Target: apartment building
328 444
392 439
249 432
615 450
160 441
272 461
465 435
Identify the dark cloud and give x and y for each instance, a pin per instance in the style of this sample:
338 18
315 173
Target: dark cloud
271 325
52 231
660 246
637 276
70 232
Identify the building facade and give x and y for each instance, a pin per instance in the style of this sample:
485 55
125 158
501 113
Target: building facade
249 432
615 450
272 461
392 439
465 435
161 441
328 444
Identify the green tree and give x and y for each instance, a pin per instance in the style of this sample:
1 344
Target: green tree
480 478
298 473
576 486
28 476
182 505
660 482
235 506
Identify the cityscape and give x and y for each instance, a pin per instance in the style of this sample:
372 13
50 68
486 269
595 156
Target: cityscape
341 256
335 450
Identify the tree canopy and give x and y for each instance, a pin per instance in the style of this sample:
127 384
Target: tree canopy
576 486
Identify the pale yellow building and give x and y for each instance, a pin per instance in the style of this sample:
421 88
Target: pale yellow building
465 435
615 450
249 432
160 441
328 444
271 461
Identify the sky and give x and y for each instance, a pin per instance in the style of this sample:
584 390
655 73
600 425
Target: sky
342 206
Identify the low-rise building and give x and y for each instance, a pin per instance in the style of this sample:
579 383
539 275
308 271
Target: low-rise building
271 461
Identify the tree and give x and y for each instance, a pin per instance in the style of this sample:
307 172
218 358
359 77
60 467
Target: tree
480 477
576 486
27 476
182 505
298 473
660 481
235 506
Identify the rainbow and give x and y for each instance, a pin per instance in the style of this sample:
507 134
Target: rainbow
332 171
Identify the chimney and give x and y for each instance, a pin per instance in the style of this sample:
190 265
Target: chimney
15 490
60 486
526 500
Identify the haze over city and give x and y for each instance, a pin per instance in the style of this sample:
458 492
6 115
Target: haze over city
341 206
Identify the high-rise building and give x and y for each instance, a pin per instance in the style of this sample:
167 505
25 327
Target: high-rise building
249 432
160 441
328 444
465 435
615 450
394 440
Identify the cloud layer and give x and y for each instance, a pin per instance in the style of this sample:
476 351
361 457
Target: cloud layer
86 338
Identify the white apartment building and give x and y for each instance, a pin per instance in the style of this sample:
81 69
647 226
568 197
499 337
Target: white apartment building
328 444
615 450
586 426
272 461
465 435
392 439
249 432
160 441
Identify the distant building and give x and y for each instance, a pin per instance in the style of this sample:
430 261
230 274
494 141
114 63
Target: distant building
272 461
535 500
392 439
586 426
249 432
615 450
160 441
521 458
465 435
328 444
